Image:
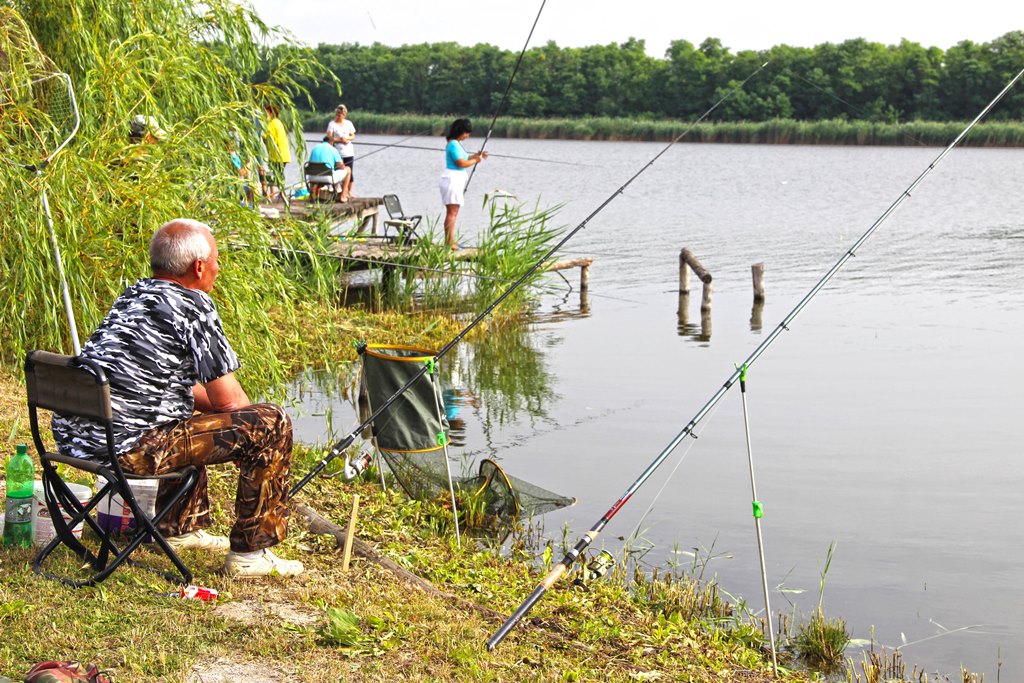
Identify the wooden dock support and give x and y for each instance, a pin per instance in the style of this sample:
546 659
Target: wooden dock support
757 274
688 262
584 265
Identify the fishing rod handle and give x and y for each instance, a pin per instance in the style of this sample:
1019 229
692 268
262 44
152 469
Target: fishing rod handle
527 605
516 617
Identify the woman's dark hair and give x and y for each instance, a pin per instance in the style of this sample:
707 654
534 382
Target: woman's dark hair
458 127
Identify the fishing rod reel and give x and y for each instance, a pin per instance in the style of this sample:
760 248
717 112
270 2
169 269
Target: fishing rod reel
357 465
595 569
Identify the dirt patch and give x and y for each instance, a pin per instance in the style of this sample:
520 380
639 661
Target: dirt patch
224 670
254 611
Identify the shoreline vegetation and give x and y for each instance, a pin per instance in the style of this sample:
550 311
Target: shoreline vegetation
774 132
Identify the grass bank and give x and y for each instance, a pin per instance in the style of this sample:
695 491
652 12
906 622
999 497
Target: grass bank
367 624
774 132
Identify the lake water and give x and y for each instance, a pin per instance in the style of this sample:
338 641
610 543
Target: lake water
884 421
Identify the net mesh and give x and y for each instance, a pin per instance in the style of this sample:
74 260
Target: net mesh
38 111
406 437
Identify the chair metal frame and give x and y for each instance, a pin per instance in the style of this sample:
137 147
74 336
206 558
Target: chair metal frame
404 225
73 385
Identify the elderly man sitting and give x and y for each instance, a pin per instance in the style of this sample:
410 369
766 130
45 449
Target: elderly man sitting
177 402
325 168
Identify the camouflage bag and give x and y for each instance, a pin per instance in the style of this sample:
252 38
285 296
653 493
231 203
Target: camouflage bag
65 672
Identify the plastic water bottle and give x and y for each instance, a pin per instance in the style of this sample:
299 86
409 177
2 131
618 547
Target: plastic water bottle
18 510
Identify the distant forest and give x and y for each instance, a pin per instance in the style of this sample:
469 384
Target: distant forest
853 80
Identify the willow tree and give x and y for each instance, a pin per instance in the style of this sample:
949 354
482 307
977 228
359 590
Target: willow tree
187 64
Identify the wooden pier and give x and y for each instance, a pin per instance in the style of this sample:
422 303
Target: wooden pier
363 211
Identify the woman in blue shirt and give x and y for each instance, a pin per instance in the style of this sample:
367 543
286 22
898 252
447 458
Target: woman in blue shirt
454 177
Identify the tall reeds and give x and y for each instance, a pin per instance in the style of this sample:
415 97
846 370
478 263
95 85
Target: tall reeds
190 67
773 132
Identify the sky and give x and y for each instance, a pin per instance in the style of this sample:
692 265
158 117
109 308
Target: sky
739 24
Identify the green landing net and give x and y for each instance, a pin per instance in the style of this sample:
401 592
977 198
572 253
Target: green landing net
411 436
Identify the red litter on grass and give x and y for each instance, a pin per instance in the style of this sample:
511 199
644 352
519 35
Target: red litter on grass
199 593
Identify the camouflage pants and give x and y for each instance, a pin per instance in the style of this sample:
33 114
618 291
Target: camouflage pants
258 438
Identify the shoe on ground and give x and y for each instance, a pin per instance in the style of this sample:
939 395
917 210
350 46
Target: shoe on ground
198 540
267 564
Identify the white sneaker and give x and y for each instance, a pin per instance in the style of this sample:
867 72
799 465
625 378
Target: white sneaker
267 564
198 540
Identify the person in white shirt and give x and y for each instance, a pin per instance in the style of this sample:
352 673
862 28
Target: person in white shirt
341 133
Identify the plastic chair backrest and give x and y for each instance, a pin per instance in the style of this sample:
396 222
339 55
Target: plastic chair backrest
317 168
393 206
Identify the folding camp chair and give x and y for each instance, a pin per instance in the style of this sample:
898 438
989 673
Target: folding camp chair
404 225
319 175
72 385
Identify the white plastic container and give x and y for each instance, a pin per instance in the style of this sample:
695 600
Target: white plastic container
42 525
115 515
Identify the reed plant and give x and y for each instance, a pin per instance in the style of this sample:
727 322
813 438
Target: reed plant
821 642
772 132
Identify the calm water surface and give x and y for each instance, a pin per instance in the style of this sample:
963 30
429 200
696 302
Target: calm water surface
885 421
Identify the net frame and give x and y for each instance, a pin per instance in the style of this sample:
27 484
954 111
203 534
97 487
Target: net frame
397 353
44 116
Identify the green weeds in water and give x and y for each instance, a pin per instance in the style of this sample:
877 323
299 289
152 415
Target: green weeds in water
821 642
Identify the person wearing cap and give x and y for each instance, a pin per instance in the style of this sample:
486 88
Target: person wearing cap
325 153
278 152
145 129
341 132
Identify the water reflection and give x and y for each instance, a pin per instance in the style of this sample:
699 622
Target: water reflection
756 314
685 328
561 308
486 384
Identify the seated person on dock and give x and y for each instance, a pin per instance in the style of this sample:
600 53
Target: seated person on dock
326 168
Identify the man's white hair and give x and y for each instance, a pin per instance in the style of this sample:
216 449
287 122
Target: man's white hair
177 244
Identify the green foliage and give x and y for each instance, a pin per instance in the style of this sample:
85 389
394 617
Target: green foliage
342 628
191 67
855 79
774 131
820 643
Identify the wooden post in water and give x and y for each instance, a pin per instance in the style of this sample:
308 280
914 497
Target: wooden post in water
684 273
757 273
584 277
688 261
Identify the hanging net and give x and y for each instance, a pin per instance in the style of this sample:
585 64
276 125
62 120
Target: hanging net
410 437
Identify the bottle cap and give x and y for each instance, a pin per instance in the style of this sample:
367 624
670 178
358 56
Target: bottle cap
22 449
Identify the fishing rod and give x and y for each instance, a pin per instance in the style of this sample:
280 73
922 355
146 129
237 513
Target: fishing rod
571 556
383 146
508 87
347 440
435 149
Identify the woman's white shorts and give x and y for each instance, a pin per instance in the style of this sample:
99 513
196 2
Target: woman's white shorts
453 185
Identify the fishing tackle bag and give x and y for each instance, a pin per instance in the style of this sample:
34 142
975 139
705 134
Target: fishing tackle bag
65 672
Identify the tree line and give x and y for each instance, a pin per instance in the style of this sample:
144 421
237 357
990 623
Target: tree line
853 80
